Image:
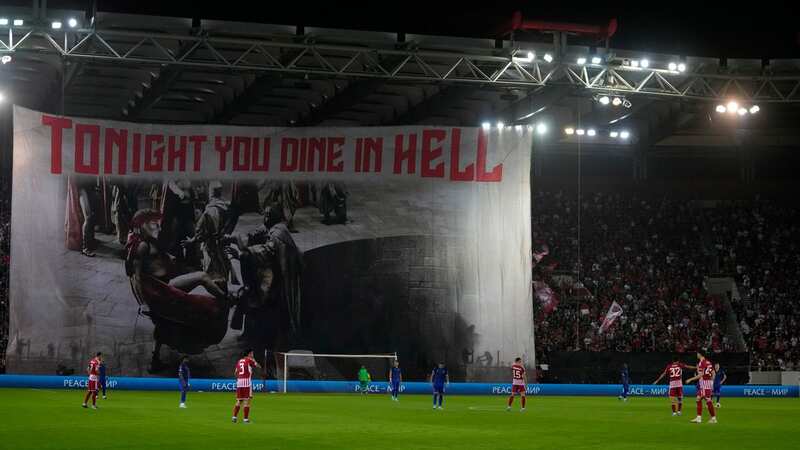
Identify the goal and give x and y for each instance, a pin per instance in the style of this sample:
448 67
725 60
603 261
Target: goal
307 365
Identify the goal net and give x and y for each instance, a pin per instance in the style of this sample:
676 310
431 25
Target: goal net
297 365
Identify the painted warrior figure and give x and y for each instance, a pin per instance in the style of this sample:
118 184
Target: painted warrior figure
333 201
123 205
283 194
218 219
187 322
271 271
80 214
178 210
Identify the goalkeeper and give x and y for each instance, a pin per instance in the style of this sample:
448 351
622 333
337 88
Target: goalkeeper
364 380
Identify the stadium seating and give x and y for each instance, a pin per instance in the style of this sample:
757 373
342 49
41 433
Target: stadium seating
650 255
757 242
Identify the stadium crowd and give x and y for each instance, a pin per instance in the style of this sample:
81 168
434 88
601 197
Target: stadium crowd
648 255
757 242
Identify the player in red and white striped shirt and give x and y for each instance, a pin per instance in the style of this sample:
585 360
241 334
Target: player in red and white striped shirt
675 372
93 370
705 373
244 373
519 381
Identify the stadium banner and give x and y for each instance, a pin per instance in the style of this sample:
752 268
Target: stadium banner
306 386
148 242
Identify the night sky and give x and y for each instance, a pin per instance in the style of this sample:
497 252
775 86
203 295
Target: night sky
754 30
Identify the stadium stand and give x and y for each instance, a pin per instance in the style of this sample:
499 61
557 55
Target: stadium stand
649 255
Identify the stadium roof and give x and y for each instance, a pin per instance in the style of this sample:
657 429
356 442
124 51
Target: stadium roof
182 70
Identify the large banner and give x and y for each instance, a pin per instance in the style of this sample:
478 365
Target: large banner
149 242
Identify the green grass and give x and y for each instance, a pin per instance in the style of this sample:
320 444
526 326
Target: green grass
53 419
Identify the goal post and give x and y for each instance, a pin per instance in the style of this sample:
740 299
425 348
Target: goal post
307 365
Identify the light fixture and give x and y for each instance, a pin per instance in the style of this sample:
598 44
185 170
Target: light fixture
3 21
634 63
681 67
518 127
528 58
616 101
569 131
672 66
596 60
742 111
486 125
604 100
754 109
530 127
18 22
548 57
2 97
581 61
721 108
626 103
72 22
5 59
56 25
541 128
645 63
733 107
500 124
624 135
613 134
580 131
591 132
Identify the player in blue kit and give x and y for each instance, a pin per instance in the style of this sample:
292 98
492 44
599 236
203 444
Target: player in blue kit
439 378
395 378
719 379
625 378
183 380
103 378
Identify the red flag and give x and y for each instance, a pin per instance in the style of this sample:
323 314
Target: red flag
546 297
613 313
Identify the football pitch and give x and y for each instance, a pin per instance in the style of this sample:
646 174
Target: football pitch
53 419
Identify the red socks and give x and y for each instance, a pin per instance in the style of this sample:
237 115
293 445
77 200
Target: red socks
511 400
94 398
86 399
236 411
710 406
674 407
246 412
680 406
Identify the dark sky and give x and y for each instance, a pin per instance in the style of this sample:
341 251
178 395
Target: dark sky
755 29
